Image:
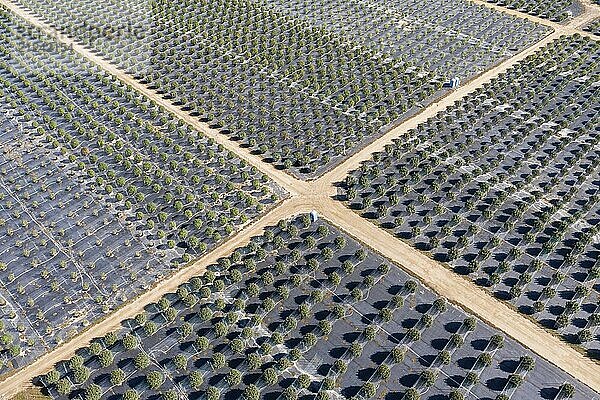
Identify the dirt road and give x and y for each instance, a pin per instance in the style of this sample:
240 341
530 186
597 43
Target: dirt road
306 196
378 145
467 295
287 182
19 381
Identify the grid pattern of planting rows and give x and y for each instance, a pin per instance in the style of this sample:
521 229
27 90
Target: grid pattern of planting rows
451 37
266 79
555 10
305 312
101 193
504 187
302 96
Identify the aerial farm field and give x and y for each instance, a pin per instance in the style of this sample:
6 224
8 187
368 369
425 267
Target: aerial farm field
504 187
555 10
299 200
302 312
451 37
101 193
302 95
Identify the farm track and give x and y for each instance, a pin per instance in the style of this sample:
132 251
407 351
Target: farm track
592 11
287 182
339 173
18 381
319 195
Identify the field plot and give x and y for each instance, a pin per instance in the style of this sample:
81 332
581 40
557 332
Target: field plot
555 10
504 187
451 37
101 193
300 95
306 312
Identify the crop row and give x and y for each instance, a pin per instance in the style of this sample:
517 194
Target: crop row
555 10
305 311
262 77
593 27
102 192
504 186
454 38
302 96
